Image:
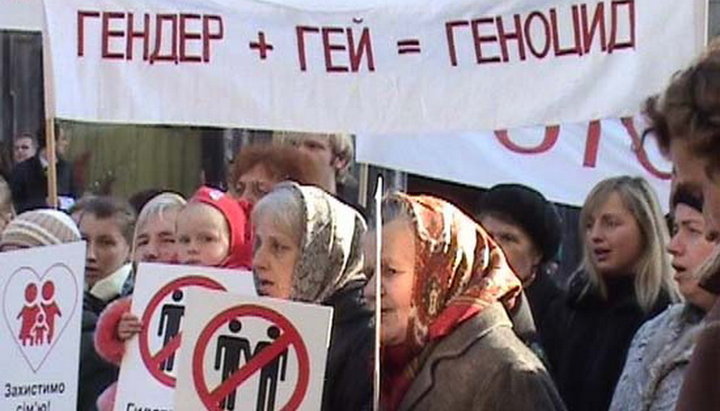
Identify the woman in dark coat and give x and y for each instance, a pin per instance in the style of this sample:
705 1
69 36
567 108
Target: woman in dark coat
447 341
625 279
307 248
528 229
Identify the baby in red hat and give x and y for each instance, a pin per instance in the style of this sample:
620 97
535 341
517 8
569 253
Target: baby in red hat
213 231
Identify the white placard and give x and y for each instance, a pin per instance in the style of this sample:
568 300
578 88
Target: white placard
563 162
149 367
252 354
399 67
42 292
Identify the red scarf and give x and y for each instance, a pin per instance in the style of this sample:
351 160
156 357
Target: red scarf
459 270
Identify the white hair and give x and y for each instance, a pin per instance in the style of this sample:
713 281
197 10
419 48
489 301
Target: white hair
156 207
284 208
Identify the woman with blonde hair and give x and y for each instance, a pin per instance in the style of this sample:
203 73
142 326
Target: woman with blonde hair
625 279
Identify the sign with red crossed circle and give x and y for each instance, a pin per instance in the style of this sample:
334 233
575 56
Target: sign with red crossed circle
153 360
289 339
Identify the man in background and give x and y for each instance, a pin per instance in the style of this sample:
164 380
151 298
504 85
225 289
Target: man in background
29 179
25 146
334 154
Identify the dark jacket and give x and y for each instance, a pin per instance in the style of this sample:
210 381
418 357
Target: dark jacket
591 340
482 365
348 376
28 183
545 299
95 304
523 325
95 373
523 322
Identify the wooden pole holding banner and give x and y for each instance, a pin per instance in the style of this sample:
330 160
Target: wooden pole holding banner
49 103
378 289
706 26
363 184
51 155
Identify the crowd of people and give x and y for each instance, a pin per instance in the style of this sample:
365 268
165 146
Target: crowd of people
471 315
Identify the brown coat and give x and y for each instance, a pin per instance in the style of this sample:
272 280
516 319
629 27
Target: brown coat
482 365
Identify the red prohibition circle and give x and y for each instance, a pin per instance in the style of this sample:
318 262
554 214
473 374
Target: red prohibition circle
250 310
148 358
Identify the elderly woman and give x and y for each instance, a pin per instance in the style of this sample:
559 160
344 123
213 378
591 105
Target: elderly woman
308 248
446 337
153 241
528 229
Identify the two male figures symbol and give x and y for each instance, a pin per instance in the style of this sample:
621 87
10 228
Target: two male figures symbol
227 356
170 318
37 317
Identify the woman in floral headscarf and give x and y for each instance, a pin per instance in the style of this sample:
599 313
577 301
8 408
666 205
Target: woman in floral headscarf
447 342
308 248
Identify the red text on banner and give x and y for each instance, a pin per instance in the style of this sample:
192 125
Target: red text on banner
175 38
609 26
344 49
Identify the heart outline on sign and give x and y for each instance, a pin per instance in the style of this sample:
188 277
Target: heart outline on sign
61 330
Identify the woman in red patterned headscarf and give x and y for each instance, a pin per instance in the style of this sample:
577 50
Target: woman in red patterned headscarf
447 342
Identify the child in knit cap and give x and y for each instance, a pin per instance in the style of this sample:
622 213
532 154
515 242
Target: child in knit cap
37 228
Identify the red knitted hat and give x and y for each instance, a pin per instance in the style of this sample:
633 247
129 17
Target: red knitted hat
237 215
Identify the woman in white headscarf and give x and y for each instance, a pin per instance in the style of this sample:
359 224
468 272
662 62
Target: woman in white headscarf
308 249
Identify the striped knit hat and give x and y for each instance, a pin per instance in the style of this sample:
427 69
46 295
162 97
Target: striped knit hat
38 228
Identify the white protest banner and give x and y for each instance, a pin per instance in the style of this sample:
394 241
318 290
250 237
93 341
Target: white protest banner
405 66
241 353
148 369
563 162
23 15
41 294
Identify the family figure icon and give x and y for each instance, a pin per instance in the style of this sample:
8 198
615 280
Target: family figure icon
37 317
